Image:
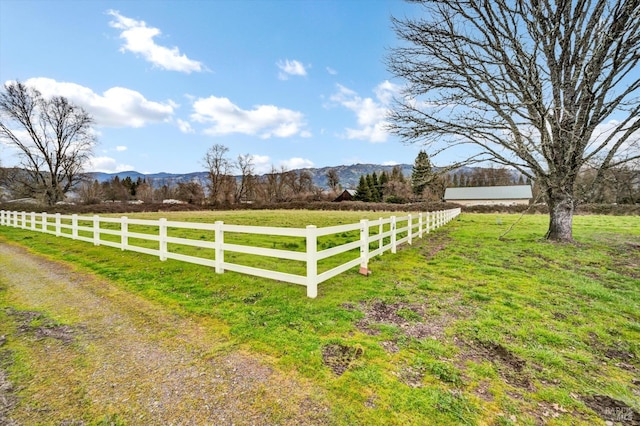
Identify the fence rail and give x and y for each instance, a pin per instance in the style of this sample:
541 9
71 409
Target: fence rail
365 239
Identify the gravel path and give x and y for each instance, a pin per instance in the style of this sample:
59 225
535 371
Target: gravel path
99 353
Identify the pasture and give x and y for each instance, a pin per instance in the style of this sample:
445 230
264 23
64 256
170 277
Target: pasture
461 328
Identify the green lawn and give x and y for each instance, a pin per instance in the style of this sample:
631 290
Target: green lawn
462 327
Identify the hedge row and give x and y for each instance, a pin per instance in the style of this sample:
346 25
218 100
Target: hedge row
104 208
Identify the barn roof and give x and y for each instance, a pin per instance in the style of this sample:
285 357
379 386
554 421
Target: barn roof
488 193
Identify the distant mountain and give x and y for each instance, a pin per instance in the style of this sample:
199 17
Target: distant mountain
348 175
155 179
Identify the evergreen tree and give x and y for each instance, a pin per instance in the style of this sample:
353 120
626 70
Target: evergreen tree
384 178
362 191
422 173
396 174
376 190
370 188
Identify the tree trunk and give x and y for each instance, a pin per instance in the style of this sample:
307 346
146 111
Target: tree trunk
561 208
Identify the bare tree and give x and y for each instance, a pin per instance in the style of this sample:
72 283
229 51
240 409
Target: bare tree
90 192
244 188
333 180
545 86
190 192
219 168
54 139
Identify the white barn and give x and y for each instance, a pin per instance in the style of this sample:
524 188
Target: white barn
489 195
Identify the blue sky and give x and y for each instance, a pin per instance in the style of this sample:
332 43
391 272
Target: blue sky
293 83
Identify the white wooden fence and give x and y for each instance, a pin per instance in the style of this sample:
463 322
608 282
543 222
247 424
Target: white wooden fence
375 237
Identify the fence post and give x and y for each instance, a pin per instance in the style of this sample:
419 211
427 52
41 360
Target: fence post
23 218
428 222
162 228
58 225
124 233
219 242
1 217
410 226
33 221
312 261
44 222
74 226
420 225
393 234
96 230
364 247
380 241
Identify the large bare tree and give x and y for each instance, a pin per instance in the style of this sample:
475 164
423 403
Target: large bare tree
53 137
544 86
220 169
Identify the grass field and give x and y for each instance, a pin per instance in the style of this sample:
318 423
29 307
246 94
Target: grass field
463 327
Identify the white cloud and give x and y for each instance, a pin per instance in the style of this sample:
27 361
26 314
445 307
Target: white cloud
296 163
261 164
184 126
138 39
385 92
371 114
116 107
288 68
265 121
331 71
390 163
106 165
121 148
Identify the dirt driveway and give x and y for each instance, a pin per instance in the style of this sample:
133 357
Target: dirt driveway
82 351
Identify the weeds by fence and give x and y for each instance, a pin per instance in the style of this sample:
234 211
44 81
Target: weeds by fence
305 256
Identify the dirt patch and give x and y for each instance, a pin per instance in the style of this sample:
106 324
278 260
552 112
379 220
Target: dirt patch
37 324
612 410
510 367
436 242
411 319
391 346
483 392
620 353
340 357
497 351
412 376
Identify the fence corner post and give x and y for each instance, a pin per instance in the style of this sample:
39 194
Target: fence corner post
124 233
312 261
219 249
364 247
410 227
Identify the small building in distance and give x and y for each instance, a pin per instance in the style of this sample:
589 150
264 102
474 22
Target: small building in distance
347 195
489 195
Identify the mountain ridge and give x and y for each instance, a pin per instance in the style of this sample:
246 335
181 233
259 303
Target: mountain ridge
348 175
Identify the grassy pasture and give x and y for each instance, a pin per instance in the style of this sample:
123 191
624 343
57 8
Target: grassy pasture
460 328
